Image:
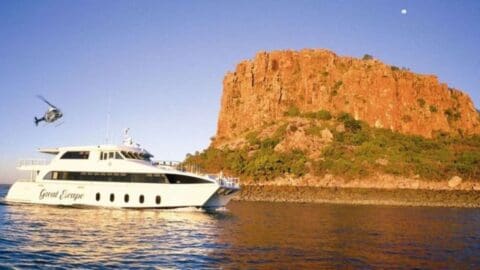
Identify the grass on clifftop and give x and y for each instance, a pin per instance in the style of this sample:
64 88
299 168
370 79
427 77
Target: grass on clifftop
357 152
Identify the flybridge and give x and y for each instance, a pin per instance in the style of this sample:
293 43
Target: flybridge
106 152
52 151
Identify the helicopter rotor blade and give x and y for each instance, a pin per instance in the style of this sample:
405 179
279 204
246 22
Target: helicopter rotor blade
46 101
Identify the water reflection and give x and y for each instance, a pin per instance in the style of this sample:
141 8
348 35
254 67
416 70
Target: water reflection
247 235
83 237
332 236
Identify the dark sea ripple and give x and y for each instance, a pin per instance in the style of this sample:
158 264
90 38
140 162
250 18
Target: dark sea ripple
245 235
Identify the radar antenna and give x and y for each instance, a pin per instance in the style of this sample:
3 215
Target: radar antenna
127 139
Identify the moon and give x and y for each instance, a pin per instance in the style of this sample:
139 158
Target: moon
403 11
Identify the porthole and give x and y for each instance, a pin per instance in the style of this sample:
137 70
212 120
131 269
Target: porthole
158 199
126 198
112 197
141 199
97 196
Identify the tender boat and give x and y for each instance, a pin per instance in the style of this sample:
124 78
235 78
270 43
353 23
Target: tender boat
118 176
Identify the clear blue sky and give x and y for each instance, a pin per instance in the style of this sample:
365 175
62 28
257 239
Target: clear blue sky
163 61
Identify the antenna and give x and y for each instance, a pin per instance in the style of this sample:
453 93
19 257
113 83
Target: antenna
107 135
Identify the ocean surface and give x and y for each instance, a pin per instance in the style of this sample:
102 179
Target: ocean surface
245 235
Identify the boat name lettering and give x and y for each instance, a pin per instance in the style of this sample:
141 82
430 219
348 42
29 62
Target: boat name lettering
64 195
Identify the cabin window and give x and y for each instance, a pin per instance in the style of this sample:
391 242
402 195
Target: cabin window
126 198
141 199
155 178
97 196
111 155
185 179
112 197
158 199
118 156
126 154
75 155
136 155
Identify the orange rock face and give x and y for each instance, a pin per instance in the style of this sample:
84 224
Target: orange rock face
263 89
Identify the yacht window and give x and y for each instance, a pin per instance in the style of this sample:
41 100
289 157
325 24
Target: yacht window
141 199
75 155
158 199
112 197
118 156
157 178
110 155
126 198
146 157
129 155
185 179
97 196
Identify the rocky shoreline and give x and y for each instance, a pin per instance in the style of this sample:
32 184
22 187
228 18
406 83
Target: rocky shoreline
377 196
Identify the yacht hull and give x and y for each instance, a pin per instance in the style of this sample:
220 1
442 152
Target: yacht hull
121 195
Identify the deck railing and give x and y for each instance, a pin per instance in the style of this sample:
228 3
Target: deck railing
221 179
31 162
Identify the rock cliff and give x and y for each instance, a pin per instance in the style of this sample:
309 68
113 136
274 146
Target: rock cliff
262 90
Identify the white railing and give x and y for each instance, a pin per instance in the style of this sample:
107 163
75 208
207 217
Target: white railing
225 181
31 165
170 163
31 162
222 180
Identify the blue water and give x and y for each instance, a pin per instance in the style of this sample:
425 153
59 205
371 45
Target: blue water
246 235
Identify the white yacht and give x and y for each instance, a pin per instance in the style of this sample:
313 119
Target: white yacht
119 176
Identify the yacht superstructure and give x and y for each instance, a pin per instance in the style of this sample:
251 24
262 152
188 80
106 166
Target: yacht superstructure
120 176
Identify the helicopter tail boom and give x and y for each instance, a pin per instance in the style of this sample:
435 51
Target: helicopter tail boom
37 120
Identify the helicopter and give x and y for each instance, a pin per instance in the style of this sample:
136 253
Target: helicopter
51 115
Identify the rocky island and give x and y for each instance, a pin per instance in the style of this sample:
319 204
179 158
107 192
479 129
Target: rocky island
312 126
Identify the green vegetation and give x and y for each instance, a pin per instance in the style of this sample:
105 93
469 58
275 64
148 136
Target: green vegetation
262 164
292 111
421 102
367 57
320 115
354 154
337 85
407 118
359 151
394 68
452 115
350 123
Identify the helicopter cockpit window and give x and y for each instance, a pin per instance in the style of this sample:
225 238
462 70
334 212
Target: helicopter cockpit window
75 155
